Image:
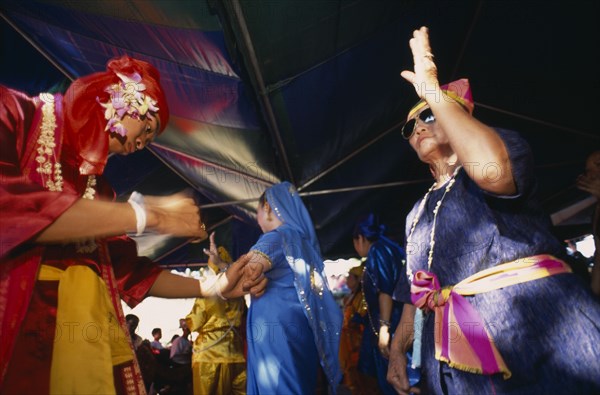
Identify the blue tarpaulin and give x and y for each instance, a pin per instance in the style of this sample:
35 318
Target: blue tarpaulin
310 92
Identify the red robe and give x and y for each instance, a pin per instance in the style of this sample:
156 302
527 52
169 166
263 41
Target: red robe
28 308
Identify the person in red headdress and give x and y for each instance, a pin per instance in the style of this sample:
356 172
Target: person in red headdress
65 262
499 310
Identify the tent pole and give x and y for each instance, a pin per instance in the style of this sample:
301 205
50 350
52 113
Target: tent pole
466 40
350 156
238 17
37 47
534 120
324 192
364 187
204 161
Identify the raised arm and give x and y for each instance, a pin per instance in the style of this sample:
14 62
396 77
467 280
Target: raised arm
477 146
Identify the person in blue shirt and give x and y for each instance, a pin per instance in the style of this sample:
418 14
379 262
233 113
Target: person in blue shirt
295 326
383 277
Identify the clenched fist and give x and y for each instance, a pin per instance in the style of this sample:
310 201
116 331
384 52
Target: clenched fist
176 215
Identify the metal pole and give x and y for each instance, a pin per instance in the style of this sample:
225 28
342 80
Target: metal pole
198 159
324 192
527 118
37 47
350 156
262 91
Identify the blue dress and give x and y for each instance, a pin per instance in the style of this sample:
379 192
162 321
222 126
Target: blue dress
547 330
282 353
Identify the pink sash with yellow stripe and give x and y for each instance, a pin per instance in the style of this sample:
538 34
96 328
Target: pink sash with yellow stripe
461 339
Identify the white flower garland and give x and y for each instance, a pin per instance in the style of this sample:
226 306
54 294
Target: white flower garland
420 210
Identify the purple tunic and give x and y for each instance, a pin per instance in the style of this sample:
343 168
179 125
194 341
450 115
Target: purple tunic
547 330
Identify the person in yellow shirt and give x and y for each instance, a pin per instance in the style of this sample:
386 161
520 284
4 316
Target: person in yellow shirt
218 362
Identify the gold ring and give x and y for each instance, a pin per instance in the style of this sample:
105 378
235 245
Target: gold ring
202 226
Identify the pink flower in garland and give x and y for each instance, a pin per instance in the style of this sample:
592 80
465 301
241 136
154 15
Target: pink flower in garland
127 98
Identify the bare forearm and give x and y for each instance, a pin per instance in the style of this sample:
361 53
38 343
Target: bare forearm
478 147
89 219
385 306
169 285
404 335
176 215
401 342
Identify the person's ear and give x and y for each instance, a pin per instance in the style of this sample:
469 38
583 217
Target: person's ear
268 210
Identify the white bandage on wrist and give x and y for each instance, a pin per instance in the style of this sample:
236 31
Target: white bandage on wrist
136 200
212 286
221 284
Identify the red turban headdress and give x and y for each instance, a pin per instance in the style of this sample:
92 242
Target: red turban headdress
85 137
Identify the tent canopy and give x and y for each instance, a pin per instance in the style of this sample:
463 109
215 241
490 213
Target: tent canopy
310 92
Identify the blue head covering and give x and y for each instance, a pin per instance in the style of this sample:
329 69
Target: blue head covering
301 249
369 227
288 207
383 250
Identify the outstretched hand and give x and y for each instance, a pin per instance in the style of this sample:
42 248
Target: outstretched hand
424 77
176 215
212 251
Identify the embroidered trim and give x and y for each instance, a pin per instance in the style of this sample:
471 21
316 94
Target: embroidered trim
51 169
268 258
46 158
90 190
48 167
88 246
316 282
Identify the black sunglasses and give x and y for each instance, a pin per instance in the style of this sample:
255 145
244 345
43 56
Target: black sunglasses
426 116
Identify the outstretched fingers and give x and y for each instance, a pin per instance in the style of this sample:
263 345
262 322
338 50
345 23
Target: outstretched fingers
424 75
212 251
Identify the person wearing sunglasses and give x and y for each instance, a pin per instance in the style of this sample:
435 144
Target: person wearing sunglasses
495 308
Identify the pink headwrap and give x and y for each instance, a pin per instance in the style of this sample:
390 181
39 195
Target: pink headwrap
459 91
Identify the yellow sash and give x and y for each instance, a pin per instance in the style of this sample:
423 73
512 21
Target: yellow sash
88 339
